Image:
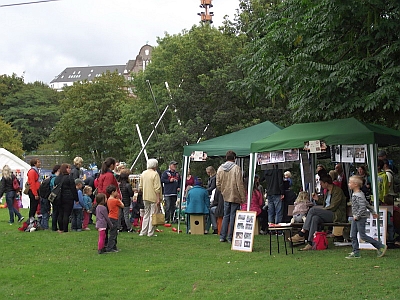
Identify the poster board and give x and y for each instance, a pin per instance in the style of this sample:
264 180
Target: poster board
243 231
371 229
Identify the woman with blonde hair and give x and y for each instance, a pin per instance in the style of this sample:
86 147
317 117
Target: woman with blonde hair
6 186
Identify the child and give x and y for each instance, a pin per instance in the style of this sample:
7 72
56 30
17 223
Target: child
113 204
77 211
102 220
301 206
87 206
359 206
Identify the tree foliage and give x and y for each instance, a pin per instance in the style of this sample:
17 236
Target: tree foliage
10 139
90 111
326 59
31 109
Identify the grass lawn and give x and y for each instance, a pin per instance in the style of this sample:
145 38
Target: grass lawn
48 265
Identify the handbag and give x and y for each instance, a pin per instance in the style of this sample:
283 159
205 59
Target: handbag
27 187
158 218
16 186
55 192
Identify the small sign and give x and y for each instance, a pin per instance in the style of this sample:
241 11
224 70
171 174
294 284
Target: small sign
243 233
198 156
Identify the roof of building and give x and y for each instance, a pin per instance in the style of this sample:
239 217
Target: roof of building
81 73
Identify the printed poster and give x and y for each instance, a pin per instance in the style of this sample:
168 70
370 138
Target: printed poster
243 233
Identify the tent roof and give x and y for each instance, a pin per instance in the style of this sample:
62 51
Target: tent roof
238 141
13 161
337 132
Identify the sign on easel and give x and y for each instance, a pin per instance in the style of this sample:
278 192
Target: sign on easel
243 233
371 229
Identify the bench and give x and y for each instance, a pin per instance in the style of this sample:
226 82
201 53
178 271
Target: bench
332 224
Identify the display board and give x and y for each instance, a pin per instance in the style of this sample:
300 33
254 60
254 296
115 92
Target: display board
371 228
243 233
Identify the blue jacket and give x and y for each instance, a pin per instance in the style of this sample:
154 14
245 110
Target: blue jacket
79 204
197 201
171 188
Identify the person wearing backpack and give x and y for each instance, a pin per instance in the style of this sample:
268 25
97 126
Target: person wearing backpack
359 208
44 190
6 186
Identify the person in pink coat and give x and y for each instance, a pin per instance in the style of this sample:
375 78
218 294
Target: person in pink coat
107 177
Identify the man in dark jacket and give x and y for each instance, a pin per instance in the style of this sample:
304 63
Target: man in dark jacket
171 181
275 194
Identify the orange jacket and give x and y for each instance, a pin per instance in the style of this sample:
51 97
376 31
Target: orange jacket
33 180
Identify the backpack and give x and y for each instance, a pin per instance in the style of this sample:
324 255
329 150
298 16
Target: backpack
320 241
44 188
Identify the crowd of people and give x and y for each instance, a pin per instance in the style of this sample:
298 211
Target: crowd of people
118 206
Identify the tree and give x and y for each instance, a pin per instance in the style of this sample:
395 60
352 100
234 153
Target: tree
90 111
10 139
198 65
327 59
32 109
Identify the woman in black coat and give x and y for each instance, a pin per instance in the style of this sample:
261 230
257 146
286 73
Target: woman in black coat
68 194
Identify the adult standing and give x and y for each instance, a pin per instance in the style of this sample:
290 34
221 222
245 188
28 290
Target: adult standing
172 182
333 210
150 186
76 167
6 186
211 182
230 182
275 194
68 195
107 177
34 184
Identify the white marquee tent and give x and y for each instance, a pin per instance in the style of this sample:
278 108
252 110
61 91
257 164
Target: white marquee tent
17 165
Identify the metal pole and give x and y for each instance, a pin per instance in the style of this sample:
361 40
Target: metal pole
141 141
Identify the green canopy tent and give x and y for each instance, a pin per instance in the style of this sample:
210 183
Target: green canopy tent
337 132
238 141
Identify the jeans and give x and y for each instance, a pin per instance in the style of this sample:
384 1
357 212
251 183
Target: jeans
125 217
213 218
170 206
275 209
112 238
45 211
76 221
316 216
10 197
359 226
230 209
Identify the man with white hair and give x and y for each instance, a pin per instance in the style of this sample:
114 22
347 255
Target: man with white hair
150 185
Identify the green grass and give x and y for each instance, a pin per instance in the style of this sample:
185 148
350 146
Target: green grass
48 265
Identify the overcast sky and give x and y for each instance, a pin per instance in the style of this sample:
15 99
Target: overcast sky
43 39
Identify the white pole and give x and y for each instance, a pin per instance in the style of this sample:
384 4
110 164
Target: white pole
141 141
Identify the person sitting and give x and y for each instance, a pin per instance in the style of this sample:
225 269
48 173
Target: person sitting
197 201
301 206
333 210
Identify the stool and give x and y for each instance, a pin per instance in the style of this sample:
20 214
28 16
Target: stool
196 224
274 230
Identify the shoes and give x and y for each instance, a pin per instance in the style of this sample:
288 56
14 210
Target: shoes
229 241
131 230
222 240
20 219
262 232
10 223
381 251
205 232
101 251
307 248
296 238
87 229
166 222
353 255
111 251
140 234
215 231
152 235
79 230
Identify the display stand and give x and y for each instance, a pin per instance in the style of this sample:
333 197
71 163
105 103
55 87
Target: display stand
243 233
371 229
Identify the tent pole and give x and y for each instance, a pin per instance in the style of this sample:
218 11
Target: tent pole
373 166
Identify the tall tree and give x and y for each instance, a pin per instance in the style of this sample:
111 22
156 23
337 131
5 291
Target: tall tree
32 109
327 59
10 139
89 113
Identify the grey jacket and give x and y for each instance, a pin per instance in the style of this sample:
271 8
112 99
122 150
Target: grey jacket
360 206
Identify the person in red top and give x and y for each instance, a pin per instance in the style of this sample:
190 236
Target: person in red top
107 177
34 184
113 205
